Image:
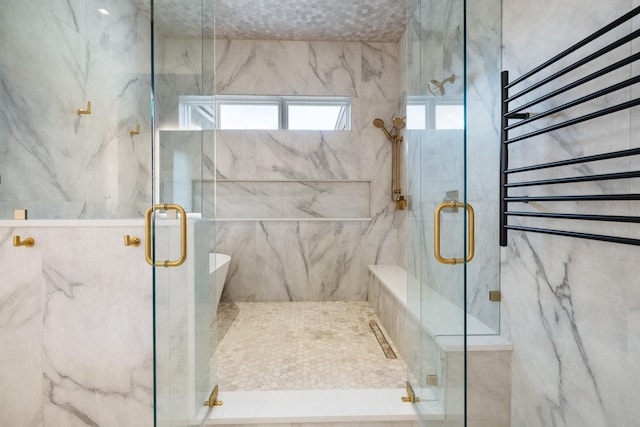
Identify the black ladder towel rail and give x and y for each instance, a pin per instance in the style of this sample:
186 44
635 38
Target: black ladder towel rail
515 117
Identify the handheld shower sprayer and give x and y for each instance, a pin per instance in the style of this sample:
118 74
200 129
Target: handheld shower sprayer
379 123
396 139
437 88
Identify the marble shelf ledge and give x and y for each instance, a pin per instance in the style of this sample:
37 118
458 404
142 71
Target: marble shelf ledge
132 222
441 318
309 406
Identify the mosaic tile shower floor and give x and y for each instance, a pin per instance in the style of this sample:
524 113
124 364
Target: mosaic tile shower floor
302 346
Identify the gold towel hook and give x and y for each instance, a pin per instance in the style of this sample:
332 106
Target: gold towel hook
87 111
135 132
28 242
131 241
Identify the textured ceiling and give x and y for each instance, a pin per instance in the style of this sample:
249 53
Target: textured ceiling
341 20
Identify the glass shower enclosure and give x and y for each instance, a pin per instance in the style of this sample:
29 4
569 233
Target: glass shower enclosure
185 296
452 70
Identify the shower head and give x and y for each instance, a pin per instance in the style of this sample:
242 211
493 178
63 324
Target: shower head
437 88
379 123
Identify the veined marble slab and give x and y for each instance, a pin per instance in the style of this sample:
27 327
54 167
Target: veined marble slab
438 315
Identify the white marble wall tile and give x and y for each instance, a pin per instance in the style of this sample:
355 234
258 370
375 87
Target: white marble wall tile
392 314
235 67
335 262
54 111
381 239
335 68
376 166
631 409
556 282
20 332
283 155
168 88
72 13
87 58
81 340
483 273
180 166
116 35
365 110
282 68
281 261
326 69
488 388
239 241
182 56
250 200
379 61
566 335
235 156
336 155
326 199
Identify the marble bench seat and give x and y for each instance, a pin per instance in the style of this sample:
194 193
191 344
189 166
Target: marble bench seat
441 318
438 330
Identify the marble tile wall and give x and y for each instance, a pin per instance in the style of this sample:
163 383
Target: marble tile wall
75 323
53 162
570 306
275 261
77 329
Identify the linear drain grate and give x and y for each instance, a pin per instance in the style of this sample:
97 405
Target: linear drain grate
384 344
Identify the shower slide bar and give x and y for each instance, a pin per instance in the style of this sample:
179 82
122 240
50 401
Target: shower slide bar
515 117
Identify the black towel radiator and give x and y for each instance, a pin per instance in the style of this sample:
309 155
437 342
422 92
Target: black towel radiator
514 117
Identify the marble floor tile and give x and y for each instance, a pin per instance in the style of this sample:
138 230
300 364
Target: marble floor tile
302 346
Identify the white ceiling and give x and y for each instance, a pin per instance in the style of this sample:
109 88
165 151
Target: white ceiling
340 20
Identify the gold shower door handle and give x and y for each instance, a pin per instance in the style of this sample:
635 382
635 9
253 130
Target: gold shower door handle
183 235
436 232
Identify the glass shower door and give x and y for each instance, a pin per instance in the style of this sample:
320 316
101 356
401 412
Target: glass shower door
182 237
438 220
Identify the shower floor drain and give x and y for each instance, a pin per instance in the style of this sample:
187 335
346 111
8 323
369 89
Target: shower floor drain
384 344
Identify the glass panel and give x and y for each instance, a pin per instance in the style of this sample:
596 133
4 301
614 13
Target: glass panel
484 35
459 134
436 171
185 295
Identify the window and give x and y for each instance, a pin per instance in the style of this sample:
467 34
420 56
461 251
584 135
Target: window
248 115
431 113
265 112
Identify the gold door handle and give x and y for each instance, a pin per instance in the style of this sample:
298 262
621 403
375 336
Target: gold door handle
436 232
183 235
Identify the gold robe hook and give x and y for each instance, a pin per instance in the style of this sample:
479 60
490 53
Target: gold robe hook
28 242
135 132
87 111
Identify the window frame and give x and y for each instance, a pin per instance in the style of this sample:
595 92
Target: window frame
190 102
431 103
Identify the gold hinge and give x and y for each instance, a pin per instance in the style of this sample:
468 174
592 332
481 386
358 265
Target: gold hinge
213 398
432 380
411 396
495 296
